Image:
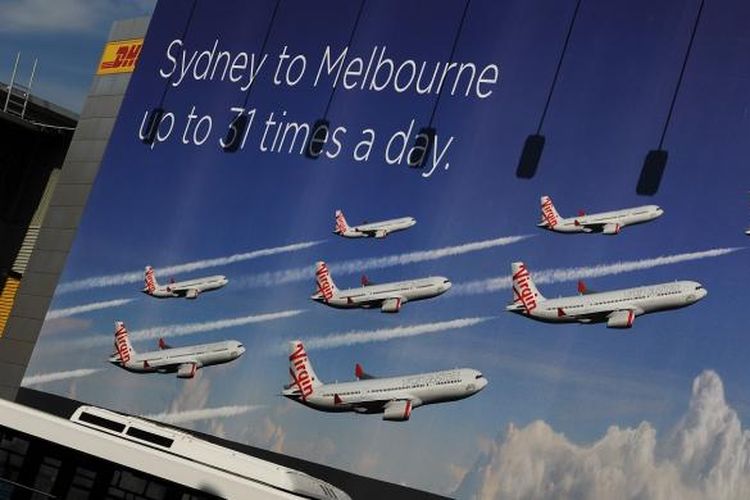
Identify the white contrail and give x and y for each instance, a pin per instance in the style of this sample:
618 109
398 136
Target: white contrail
383 334
136 276
183 417
574 273
179 330
83 308
43 378
274 278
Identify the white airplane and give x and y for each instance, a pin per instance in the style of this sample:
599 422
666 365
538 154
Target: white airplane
389 297
604 222
187 289
184 361
617 308
371 229
394 397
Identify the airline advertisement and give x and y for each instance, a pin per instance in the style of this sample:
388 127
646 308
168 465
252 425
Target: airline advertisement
482 249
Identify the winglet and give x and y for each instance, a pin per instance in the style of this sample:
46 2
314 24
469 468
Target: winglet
581 213
163 344
560 312
360 373
364 281
336 399
582 287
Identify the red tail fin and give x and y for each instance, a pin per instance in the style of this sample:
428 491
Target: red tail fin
341 225
326 287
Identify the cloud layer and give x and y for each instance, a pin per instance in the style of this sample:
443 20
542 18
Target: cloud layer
274 278
84 308
383 334
136 276
706 456
575 273
43 378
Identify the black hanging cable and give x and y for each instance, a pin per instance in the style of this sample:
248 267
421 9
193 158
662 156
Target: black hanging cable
559 66
450 59
349 44
682 74
156 114
656 159
426 136
237 127
321 127
534 145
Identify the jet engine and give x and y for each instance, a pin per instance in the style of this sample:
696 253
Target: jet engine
397 411
187 370
621 319
391 305
192 293
611 229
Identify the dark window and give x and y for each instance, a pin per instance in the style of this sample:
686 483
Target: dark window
150 437
101 422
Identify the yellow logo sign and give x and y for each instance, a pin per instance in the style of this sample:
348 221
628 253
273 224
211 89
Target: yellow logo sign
120 57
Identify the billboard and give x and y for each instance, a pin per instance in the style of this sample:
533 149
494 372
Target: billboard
384 189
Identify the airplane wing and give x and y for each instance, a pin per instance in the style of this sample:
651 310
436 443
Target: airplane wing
598 227
391 407
188 293
622 317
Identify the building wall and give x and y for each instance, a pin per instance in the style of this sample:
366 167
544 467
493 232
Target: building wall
65 208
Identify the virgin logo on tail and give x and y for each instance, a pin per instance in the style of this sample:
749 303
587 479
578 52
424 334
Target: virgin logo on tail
548 212
522 289
341 226
323 277
301 376
150 282
121 343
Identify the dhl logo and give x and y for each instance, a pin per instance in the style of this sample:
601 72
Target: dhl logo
522 289
120 57
548 212
299 372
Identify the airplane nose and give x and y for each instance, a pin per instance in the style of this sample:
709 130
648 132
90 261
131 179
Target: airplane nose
447 284
482 383
702 293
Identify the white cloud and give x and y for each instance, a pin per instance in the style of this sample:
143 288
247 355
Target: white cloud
274 278
573 273
136 276
190 416
706 456
384 334
43 378
61 16
84 308
176 330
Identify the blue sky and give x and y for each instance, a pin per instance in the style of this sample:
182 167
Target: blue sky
176 203
67 37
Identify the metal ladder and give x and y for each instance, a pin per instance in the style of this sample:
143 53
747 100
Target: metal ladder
17 96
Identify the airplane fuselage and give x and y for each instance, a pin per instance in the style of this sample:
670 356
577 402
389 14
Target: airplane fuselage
190 288
596 307
378 229
603 222
169 360
369 396
375 295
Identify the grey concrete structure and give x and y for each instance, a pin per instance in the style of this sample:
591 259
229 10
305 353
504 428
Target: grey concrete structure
59 226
